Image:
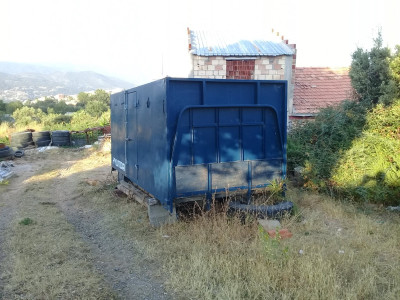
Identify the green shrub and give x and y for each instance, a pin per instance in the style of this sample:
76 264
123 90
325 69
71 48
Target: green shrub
351 152
319 143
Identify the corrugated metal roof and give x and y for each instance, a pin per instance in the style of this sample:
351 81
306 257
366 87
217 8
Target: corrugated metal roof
228 44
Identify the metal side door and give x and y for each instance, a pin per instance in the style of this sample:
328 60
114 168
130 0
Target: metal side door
131 146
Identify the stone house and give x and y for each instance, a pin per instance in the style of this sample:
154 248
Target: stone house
225 56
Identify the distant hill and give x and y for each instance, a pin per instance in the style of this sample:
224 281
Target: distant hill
27 82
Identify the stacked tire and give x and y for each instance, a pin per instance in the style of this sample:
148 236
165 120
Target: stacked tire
41 138
60 138
21 139
5 152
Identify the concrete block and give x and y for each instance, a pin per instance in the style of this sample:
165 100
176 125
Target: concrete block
276 77
210 68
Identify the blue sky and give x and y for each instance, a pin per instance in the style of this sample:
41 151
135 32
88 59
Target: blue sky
140 41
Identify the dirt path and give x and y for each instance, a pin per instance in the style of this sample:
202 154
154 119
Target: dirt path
62 184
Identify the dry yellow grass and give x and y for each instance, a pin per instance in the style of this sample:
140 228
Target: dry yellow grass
47 258
345 255
6 130
347 251
50 261
338 251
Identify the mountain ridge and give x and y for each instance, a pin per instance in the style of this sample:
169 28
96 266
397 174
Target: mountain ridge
23 82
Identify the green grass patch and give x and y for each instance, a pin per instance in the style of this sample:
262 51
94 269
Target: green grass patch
26 221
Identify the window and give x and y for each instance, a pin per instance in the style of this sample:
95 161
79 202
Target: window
240 69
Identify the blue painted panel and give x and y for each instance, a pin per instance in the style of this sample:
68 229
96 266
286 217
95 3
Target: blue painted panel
230 93
203 117
229 116
253 141
229 143
252 115
118 131
264 172
204 146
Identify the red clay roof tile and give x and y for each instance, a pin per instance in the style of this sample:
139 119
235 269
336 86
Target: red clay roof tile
316 88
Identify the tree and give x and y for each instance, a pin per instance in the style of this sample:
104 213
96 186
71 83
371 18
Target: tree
2 106
26 115
395 67
96 108
370 73
101 96
83 99
13 106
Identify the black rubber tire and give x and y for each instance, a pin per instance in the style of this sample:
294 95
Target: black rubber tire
263 211
61 138
4 152
21 139
19 153
43 143
57 142
60 133
41 136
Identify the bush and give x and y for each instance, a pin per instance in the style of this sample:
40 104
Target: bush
351 152
319 143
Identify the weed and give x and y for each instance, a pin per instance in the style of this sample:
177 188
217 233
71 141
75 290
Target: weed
26 221
272 246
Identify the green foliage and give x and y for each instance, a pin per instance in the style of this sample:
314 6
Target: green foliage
370 170
95 104
13 106
83 99
354 150
53 121
371 75
318 144
3 106
51 105
351 152
395 68
82 120
27 115
96 108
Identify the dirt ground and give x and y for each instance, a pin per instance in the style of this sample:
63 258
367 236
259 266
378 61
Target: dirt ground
71 248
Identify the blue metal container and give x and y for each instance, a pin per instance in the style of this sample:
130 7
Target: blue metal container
178 138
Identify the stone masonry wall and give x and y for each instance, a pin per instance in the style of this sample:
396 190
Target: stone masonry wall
266 68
